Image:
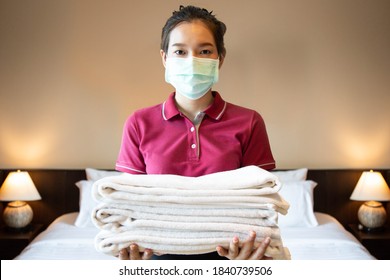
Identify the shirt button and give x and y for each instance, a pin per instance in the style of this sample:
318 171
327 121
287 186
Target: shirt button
193 146
192 129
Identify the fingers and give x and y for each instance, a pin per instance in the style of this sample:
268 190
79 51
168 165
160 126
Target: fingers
258 254
247 251
147 255
124 254
233 248
232 251
222 251
247 247
133 253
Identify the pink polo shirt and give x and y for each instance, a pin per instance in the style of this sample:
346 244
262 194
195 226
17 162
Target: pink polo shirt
161 140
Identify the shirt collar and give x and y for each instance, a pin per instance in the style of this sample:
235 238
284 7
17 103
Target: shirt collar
215 110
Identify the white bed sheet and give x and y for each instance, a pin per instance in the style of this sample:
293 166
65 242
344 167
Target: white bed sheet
329 240
62 240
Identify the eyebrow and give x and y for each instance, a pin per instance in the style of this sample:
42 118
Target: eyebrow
200 45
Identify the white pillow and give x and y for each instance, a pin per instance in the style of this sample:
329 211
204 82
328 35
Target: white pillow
291 175
97 174
300 196
87 204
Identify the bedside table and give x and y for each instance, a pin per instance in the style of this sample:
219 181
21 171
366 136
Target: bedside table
12 242
378 242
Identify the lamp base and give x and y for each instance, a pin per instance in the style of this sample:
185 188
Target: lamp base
17 215
372 215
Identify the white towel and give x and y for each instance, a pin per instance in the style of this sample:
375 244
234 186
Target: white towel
249 186
245 178
174 214
180 242
114 216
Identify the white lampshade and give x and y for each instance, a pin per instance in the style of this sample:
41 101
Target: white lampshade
371 186
19 186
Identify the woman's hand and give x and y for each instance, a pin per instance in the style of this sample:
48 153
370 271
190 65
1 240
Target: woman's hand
247 250
133 253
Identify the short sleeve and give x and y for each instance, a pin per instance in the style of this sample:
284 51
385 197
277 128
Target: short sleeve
130 158
258 150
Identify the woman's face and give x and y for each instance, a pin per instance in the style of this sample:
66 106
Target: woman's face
191 39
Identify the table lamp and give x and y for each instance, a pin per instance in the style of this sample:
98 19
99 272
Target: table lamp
371 188
18 187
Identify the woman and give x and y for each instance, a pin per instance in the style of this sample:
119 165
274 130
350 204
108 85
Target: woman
195 132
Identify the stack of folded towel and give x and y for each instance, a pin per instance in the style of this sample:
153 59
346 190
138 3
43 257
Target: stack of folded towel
173 214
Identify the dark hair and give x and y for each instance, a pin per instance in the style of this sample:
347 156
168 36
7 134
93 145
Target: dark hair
189 14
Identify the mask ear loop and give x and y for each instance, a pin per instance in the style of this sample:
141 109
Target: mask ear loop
221 59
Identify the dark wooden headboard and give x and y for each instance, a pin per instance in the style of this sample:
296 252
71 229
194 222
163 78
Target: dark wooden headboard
60 194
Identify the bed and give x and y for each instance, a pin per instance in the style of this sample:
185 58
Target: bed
328 241
314 229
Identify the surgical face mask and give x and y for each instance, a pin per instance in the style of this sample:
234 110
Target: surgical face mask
192 77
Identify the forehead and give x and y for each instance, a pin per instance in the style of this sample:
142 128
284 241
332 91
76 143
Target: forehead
194 32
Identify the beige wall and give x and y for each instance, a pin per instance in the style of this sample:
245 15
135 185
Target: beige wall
72 71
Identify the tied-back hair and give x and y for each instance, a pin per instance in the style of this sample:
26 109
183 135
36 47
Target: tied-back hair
192 13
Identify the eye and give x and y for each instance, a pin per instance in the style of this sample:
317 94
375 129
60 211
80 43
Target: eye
179 52
206 52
